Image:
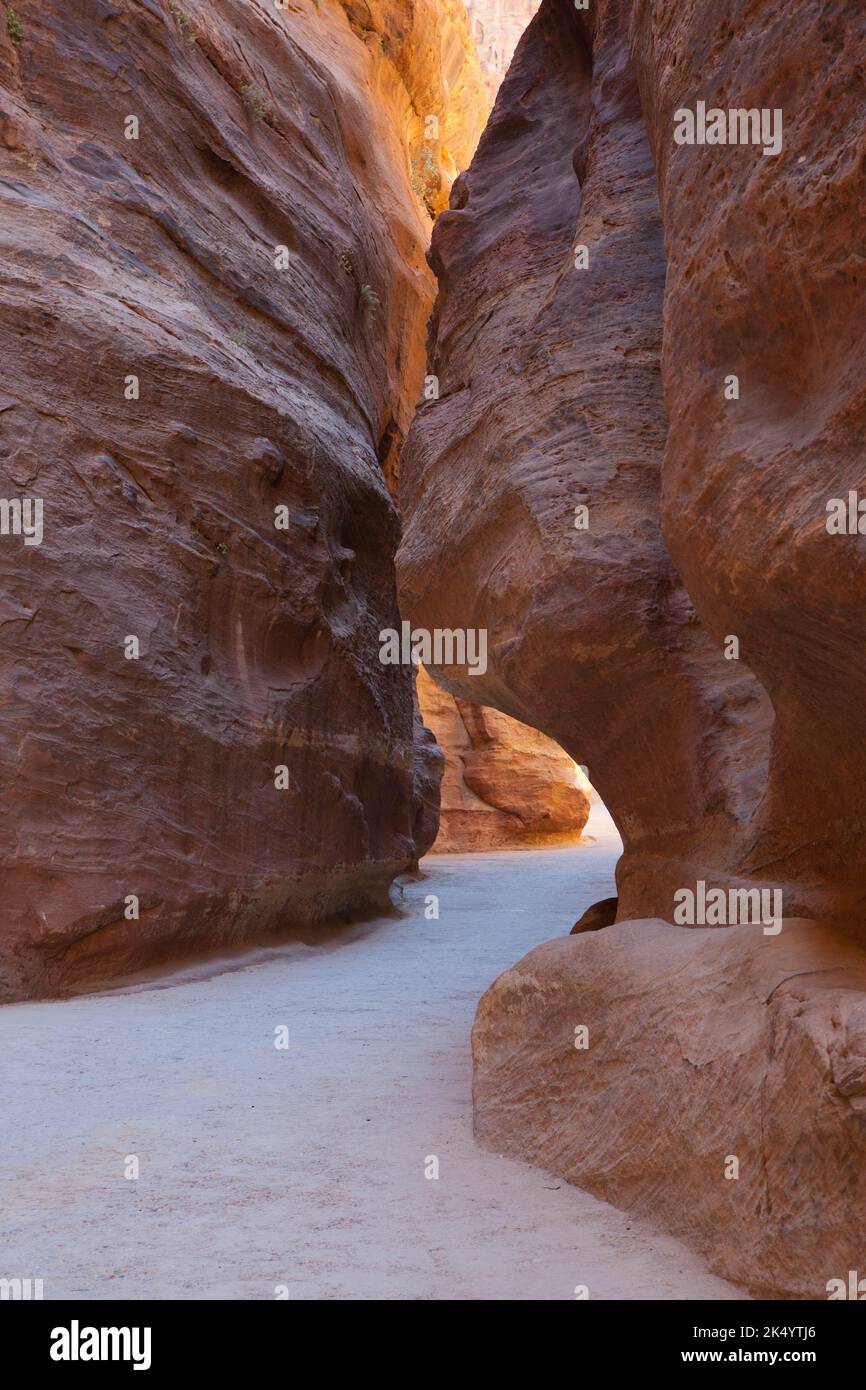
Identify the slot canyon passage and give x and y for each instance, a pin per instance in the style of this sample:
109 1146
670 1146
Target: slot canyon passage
305 345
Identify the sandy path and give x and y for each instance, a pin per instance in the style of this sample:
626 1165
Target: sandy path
305 1167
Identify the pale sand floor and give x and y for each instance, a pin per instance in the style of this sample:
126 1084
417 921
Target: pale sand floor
305 1167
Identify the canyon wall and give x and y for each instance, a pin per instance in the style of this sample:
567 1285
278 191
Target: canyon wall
774 244
213 303
497 26
425 48
505 785
530 490
645 541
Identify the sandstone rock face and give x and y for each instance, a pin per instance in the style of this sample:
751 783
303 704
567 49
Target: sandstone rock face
702 1046
427 48
428 771
218 318
774 243
596 917
497 26
551 401
505 785
649 553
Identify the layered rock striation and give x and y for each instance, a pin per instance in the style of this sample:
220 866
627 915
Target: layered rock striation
531 489
641 478
497 26
505 786
427 71
213 307
762 370
702 1078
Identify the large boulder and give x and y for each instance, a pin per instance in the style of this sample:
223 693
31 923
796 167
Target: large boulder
719 1088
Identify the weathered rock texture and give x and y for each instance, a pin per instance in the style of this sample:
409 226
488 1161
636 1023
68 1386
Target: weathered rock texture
702 1046
427 67
154 779
505 786
497 26
596 917
428 771
604 388
775 245
551 398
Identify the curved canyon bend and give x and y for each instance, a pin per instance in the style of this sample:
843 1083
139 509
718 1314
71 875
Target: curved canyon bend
305 1168
432 834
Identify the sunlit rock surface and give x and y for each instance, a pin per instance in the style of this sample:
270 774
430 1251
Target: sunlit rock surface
505 786
426 66
497 26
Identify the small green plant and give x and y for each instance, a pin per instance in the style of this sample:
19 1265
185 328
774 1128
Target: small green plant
425 177
13 25
185 25
238 337
368 305
255 100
